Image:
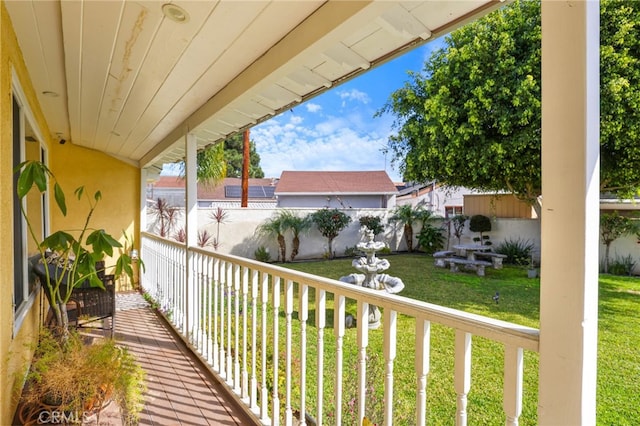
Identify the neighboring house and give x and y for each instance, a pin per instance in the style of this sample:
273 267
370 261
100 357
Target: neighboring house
366 189
498 205
226 194
229 193
442 200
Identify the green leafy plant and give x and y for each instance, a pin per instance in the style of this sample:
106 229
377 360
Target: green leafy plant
430 238
612 227
79 379
408 215
130 260
622 265
518 251
297 225
276 226
351 251
73 255
330 222
373 223
481 224
262 254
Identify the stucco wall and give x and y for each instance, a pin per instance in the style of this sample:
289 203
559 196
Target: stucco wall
118 182
15 350
238 234
73 166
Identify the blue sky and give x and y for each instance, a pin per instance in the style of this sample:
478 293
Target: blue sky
337 130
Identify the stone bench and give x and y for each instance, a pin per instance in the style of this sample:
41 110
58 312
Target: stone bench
496 258
477 265
440 256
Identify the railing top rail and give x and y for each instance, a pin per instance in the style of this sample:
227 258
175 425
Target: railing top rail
494 329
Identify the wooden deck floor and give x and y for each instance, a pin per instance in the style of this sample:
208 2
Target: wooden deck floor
181 391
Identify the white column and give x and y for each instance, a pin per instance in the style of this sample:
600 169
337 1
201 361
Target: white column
191 210
570 212
191 227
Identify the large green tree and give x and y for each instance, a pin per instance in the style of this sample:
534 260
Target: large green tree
473 116
233 147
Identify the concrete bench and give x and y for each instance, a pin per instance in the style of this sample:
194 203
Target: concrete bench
440 256
477 265
496 258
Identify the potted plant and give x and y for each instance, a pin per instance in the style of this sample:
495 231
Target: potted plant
76 377
532 272
71 381
68 259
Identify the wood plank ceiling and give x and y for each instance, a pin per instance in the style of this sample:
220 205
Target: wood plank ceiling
122 77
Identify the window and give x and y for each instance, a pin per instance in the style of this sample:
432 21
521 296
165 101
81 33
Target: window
450 211
26 146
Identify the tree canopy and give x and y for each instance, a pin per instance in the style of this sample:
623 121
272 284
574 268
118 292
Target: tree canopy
473 116
233 147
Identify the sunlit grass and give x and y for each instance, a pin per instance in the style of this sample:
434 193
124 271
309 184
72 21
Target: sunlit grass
619 340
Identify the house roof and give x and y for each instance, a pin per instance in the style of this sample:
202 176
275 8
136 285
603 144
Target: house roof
359 182
229 188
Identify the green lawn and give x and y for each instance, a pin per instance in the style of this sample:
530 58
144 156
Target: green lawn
619 359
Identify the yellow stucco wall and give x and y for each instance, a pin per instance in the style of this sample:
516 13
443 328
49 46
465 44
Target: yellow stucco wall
118 182
73 166
15 350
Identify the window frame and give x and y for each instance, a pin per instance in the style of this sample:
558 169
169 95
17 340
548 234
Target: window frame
30 293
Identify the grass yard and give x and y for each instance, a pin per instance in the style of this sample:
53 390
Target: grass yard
619 340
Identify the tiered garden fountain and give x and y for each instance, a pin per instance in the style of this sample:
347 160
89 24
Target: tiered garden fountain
371 266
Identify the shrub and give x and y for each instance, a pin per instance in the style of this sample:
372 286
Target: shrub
518 251
373 223
262 254
430 239
622 265
385 250
351 251
330 223
481 224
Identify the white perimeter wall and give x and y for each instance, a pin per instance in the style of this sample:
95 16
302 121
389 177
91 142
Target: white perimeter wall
238 234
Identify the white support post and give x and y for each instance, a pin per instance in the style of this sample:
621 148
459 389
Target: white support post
462 379
191 228
513 373
339 306
303 316
288 312
390 349
254 346
275 398
321 312
245 373
423 348
363 342
264 392
237 379
570 213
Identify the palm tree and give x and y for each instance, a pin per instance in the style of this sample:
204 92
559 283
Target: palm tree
408 215
297 225
275 226
211 165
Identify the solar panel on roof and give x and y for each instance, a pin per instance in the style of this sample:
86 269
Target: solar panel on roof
255 191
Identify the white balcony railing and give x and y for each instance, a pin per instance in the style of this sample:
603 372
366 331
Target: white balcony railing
229 308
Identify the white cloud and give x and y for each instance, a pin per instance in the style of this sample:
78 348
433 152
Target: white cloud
332 144
313 108
354 95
